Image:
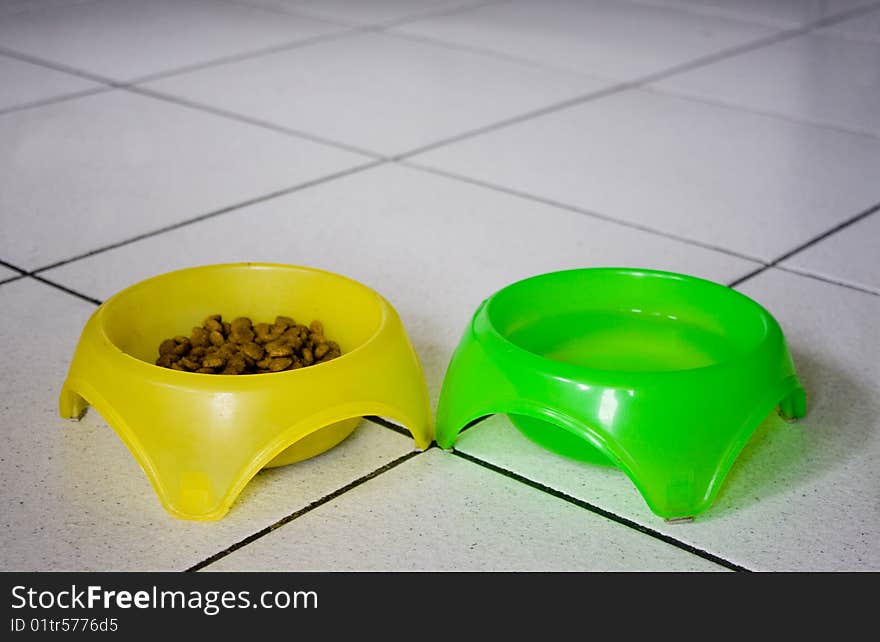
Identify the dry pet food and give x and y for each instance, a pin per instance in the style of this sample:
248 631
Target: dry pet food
244 347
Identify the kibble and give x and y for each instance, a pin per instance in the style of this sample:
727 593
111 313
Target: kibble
244 347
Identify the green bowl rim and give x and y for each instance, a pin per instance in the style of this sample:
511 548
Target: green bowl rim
484 331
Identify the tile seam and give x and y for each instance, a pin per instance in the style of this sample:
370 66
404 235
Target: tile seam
597 510
639 81
54 100
824 279
209 215
242 543
256 122
577 210
788 118
808 244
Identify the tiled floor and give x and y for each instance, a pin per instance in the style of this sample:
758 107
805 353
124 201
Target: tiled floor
438 150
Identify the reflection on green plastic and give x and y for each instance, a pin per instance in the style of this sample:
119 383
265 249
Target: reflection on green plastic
663 375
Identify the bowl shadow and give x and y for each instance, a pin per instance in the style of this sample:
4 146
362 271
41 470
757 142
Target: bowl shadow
780 457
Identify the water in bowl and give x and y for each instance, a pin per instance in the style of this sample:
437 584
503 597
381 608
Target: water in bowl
624 340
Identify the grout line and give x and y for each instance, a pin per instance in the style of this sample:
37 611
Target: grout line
15 268
624 521
346 32
579 210
66 289
771 39
614 88
129 86
11 279
150 93
572 102
231 115
787 34
748 276
711 13
708 59
721 14
782 35
305 12
380 160
225 210
73 71
834 230
807 244
519 118
439 13
714 102
824 279
22 273
55 99
381 421
498 55
302 511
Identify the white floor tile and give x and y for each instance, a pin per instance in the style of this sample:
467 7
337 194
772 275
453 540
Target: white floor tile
756 184
6 273
433 246
862 27
25 83
818 79
127 39
83 173
73 497
801 497
8 7
781 13
359 12
389 95
437 512
774 147
586 36
848 256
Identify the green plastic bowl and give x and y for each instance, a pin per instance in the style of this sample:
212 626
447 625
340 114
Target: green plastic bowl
663 375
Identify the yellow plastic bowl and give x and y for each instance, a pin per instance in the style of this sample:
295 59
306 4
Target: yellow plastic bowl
200 438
